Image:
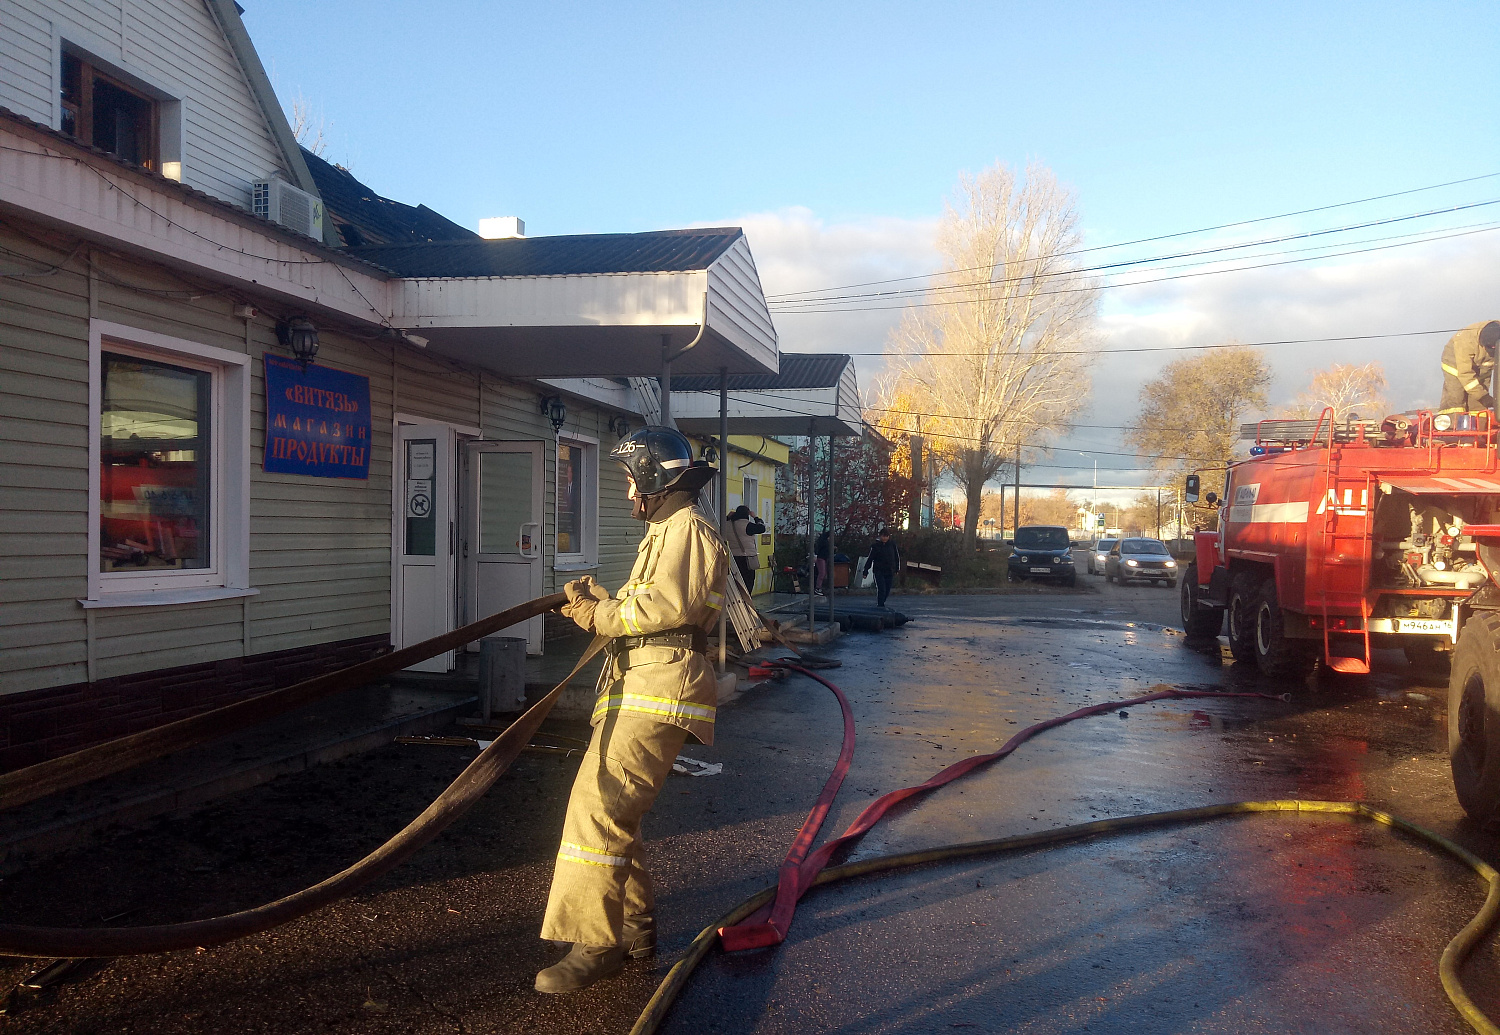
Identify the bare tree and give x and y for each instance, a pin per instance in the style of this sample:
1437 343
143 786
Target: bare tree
1190 415
1352 390
990 359
310 130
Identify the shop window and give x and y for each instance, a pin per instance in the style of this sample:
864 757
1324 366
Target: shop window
576 501
104 112
155 465
169 499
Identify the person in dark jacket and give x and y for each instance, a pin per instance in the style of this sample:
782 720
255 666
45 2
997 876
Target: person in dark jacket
820 551
1468 361
885 559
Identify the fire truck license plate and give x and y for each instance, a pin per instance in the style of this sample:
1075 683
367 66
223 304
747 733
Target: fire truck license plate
1418 625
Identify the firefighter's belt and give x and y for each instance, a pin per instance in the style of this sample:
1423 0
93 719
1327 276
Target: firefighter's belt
686 637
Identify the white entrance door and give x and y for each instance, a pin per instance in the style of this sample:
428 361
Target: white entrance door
503 533
425 590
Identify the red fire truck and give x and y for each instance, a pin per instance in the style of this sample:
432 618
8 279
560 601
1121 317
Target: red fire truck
1334 538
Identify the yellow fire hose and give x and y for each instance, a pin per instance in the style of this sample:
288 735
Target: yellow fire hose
1453 957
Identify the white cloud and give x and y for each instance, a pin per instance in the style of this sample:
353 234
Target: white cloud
796 251
1444 284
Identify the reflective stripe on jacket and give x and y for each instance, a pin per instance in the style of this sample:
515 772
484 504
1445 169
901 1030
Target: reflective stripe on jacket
679 579
1467 360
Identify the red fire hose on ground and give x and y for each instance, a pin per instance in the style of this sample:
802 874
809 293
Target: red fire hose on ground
765 918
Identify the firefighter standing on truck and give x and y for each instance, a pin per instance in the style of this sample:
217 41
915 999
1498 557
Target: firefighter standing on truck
657 688
1468 362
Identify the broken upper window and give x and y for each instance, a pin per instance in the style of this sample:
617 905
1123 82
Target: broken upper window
100 110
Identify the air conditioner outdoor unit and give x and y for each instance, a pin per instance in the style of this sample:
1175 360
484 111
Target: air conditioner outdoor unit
290 206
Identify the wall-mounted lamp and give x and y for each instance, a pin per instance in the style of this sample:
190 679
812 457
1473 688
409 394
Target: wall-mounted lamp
555 410
710 454
299 335
619 425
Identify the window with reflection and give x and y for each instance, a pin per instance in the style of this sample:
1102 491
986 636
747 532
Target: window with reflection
154 465
99 110
569 498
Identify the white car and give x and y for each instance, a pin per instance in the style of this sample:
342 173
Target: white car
1097 554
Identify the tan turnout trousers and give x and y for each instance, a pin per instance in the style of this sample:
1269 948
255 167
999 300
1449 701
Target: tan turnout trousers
650 699
601 874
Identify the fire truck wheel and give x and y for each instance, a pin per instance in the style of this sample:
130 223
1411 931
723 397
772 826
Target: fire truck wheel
1275 653
1200 623
1242 593
1474 717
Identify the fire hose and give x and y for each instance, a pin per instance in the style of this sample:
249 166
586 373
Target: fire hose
113 756
761 920
764 918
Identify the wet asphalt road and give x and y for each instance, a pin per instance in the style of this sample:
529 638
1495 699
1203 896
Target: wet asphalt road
1273 923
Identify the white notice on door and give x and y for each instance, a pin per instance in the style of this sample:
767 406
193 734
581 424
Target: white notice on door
419 497
419 460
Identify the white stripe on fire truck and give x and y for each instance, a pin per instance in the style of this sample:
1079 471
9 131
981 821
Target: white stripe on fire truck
1269 512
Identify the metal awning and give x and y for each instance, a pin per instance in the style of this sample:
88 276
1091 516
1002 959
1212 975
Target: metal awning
1439 484
600 305
812 394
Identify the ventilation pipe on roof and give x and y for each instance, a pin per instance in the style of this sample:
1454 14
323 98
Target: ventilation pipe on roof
502 228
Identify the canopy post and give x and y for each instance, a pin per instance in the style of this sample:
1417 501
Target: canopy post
664 382
812 515
724 508
832 580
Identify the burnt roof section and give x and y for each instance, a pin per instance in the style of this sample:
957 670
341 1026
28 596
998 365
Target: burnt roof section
798 370
661 251
363 217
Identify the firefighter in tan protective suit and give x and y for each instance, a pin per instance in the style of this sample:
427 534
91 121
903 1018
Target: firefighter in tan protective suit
657 688
1468 363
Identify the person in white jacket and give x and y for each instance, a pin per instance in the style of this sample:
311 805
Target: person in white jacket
740 530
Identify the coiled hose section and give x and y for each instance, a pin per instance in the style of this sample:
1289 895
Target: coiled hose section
766 910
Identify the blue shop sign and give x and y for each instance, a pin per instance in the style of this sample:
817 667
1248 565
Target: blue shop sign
317 421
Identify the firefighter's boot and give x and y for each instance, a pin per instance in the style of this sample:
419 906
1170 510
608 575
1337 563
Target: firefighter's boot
581 967
639 936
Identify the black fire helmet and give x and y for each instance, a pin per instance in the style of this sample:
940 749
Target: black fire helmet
661 459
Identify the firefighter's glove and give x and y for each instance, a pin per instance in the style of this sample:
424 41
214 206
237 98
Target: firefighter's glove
1487 402
583 596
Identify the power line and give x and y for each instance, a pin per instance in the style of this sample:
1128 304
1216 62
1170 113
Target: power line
1172 348
922 292
1141 283
1161 237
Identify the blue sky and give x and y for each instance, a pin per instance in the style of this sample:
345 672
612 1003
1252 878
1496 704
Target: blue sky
833 132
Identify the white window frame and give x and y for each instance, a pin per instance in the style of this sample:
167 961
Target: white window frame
588 499
228 573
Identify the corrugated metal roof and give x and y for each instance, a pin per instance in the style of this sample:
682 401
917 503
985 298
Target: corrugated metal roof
363 217
798 370
662 251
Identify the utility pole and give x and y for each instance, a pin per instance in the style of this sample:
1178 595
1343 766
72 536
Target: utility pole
1158 513
1017 504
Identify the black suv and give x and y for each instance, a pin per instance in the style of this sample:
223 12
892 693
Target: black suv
1042 552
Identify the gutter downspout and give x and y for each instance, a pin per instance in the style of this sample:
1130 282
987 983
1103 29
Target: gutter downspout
667 356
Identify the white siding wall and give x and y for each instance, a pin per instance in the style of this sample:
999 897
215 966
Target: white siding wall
172 45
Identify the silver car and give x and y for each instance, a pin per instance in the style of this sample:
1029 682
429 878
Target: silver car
1143 559
1097 555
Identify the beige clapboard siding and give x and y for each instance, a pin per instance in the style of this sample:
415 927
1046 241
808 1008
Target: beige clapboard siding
25 61
309 535
176 46
44 468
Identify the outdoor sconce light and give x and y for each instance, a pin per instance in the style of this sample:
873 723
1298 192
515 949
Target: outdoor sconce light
299 335
711 455
619 425
555 410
